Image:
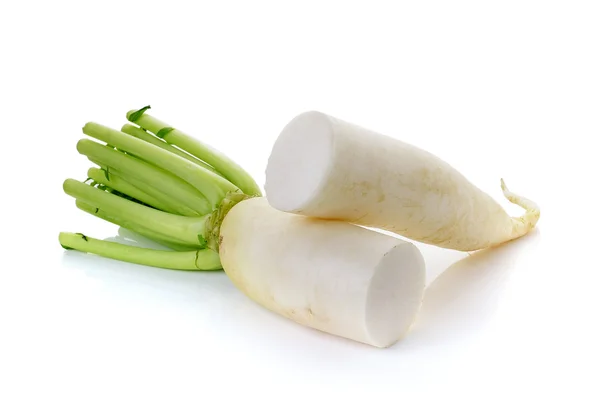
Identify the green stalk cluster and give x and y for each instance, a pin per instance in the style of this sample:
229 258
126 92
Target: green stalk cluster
160 183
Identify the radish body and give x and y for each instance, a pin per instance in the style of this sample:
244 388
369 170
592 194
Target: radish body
332 276
325 167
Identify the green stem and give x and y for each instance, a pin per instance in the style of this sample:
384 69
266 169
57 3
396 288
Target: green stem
170 204
187 230
222 163
170 186
158 238
99 176
147 137
204 259
211 185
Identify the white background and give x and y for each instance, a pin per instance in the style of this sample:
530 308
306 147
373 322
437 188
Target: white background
498 89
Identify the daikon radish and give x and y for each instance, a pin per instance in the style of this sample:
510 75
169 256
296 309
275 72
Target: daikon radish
331 276
324 167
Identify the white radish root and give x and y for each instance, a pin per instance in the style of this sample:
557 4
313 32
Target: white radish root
324 167
332 276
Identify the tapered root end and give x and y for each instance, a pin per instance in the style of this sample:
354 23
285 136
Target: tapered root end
529 219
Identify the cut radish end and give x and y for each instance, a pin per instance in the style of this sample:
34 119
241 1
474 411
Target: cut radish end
300 161
395 294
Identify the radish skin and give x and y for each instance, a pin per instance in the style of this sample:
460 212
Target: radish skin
324 167
332 276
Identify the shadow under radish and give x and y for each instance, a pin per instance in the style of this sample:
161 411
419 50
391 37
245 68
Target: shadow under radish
464 297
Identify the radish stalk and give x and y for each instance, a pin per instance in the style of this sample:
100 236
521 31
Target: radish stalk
147 137
157 237
223 164
324 167
186 230
152 176
101 176
201 259
169 203
211 185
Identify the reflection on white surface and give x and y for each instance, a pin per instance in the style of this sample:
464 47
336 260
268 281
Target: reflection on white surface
127 237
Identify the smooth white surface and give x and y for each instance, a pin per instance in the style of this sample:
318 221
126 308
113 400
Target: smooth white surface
297 168
498 89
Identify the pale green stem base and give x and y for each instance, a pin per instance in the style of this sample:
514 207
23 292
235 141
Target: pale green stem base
204 259
187 230
157 237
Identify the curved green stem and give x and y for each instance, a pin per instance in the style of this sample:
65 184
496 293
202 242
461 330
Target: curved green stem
170 186
115 182
204 259
157 237
169 204
187 230
222 163
211 185
147 137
